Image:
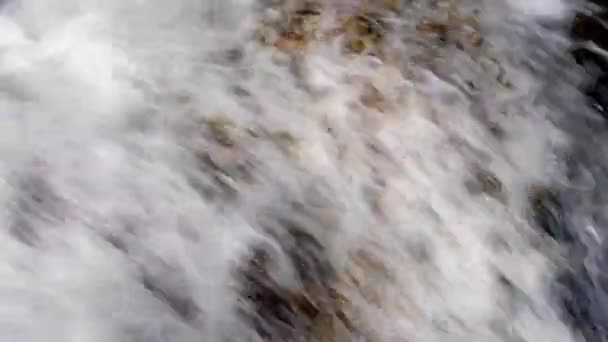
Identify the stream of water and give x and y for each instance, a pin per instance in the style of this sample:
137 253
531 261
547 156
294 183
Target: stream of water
349 170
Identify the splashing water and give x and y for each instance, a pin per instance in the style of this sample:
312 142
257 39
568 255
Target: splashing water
201 171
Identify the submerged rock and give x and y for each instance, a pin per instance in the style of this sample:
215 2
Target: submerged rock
547 212
312 312
583 305
485 182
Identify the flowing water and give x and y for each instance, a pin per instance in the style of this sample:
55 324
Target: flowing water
193 170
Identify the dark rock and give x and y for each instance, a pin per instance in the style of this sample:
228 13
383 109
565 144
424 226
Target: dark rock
582 305
591 61
308 256
587 27
547 212
603 3
485 182
272 310
278 313
599 95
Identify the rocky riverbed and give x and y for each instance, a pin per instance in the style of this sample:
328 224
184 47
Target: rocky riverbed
290 170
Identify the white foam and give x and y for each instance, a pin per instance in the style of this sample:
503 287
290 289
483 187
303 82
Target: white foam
544 9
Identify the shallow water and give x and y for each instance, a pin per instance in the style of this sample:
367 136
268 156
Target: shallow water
150 150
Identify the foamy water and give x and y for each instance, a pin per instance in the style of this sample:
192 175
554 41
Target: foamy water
146 147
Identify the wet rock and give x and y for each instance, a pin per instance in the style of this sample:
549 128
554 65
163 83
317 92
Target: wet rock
393 5
365 269
307 254
310 313
602 3
356 46
291 41
593 28
435 30
272 313
490 184
599 95
266 35
365 25
222 176
485 182
591 61
363 33
371 97
460 30
291 30
286 142
167 287
235 55
588 27
497 131
547 213
583 305
219 129
306 21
